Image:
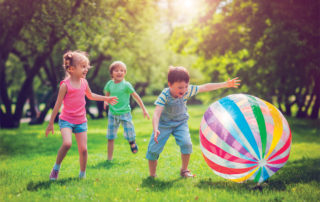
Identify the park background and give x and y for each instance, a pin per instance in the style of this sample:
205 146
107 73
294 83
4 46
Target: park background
272 46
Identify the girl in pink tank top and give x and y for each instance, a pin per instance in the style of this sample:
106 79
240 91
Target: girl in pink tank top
72 119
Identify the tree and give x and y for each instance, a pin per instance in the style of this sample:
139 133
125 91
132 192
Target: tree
36 38
272 45
32 36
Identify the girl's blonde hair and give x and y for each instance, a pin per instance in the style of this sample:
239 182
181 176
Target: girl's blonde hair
116 64
73 58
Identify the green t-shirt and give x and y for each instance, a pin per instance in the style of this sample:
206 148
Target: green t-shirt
123 91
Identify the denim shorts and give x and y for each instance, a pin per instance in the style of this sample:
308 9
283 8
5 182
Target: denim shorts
76 128
114 123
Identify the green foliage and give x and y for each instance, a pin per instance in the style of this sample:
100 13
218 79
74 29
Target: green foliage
107 30
271 45
27 157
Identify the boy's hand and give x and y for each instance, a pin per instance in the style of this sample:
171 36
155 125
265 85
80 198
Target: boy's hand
112 100
233 83
156 134
49 128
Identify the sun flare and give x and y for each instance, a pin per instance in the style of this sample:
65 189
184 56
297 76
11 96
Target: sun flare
187 10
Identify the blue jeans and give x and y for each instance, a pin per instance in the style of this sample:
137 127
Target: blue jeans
179 130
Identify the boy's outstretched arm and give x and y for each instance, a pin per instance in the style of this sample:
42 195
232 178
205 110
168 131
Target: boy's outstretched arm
155 122
137 98
233 83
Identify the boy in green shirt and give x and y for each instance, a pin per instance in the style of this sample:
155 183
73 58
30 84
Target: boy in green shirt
121 112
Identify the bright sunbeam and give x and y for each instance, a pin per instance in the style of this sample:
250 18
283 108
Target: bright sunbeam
188 4
186 10
179 12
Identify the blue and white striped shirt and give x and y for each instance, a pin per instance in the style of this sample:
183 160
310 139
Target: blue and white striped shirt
164 95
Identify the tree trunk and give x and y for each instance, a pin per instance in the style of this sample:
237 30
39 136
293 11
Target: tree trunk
27 86
301 100
33 107
306 109
288 109
316 106
7 120
9 32
279 99
49 104
100 109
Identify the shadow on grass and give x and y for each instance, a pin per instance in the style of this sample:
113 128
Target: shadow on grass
158 185
12 145
300 171
208 183
109 164
35 186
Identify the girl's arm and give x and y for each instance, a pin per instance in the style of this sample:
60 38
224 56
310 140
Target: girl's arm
233 83
61 94
155 122
137 98
92 96
106 103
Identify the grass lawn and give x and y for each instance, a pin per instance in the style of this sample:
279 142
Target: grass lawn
27 157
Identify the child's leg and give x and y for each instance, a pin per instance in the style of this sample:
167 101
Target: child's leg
185 161
66 134
110 149
82 148
113 125
154 149
153 167
183 139
128 131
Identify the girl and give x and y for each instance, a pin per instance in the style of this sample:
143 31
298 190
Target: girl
72 119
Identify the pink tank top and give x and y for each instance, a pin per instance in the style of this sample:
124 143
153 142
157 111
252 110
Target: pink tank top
74 102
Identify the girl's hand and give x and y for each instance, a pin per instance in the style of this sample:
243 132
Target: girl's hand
146 114
233 83
105 105
49 128
156 134
112 100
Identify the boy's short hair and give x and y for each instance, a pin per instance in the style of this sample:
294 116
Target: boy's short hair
177 74
116 64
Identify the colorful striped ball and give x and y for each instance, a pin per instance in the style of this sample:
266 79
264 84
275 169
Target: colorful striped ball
244 138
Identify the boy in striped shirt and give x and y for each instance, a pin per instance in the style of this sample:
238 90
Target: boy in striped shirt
171 116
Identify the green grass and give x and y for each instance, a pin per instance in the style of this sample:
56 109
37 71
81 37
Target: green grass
27 157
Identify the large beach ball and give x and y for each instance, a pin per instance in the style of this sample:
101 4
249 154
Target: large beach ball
243 138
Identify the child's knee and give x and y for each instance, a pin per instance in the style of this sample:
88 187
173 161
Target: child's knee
66 145
152 156
186 148
110 141
83 151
